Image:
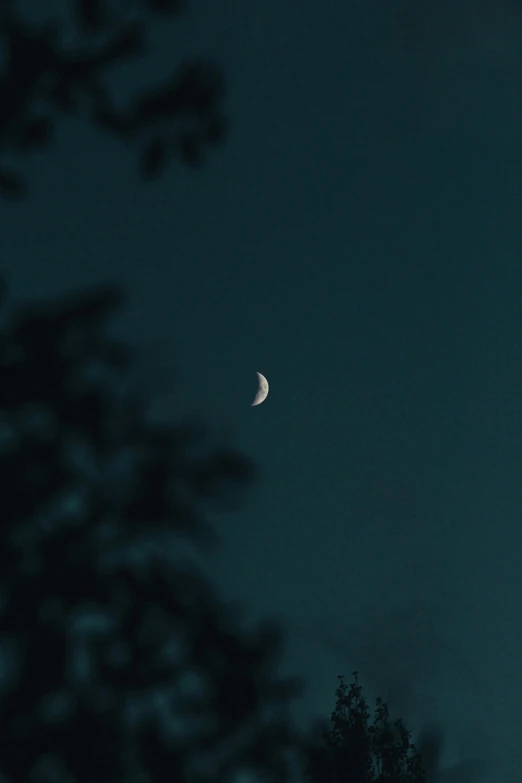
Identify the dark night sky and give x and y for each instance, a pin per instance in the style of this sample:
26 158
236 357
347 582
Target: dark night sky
358 241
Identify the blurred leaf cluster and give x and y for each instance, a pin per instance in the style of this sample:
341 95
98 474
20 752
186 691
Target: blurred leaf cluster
119 662
47 72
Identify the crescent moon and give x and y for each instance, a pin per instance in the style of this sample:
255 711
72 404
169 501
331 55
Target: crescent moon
262 390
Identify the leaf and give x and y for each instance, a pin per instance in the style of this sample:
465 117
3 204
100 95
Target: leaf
154 158
90 15
36 133
190 150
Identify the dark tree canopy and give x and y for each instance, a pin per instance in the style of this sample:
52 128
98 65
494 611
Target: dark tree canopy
48 73
120 662
356 749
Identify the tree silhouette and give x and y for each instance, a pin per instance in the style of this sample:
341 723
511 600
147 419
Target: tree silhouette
49 73
119 661
356 750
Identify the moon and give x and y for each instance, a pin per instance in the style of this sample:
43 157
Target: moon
262 390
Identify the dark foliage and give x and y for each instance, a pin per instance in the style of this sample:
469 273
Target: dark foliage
46 76
120 663
356 750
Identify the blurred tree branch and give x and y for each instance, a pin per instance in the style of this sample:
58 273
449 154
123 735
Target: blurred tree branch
46 76
120 662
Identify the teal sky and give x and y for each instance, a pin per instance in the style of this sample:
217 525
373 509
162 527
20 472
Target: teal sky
358 241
